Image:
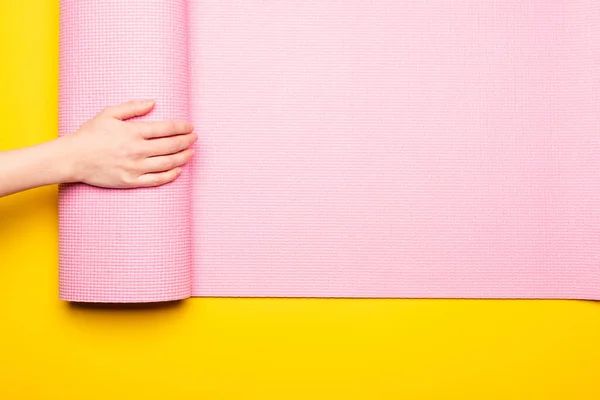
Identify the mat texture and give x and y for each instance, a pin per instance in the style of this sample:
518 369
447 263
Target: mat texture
347 149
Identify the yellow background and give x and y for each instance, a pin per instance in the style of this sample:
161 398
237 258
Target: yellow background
247 348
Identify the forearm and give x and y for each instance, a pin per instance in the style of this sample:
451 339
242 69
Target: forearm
27 168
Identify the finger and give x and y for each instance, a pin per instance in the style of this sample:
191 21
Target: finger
170 145
160 129
157 179
166 163
134 108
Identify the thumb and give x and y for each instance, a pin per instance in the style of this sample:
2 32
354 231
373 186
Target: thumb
135 108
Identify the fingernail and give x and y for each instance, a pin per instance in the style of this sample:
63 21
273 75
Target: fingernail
148 102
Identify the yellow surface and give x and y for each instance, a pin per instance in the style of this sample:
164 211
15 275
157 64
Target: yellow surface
247 348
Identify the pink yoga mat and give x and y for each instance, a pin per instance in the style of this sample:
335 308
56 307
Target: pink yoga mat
351 148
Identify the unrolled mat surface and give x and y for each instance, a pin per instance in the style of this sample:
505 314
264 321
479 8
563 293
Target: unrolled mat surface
358 148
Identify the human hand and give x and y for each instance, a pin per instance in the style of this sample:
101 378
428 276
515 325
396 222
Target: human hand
109 151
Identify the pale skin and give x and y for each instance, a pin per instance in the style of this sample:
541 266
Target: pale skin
108 151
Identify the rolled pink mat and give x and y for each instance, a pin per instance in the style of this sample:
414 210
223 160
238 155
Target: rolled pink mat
124 245
390 148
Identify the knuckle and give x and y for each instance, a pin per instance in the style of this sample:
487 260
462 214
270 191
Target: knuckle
134 168
133 152
169 163
132 128
170 126
175 127
137 130
154 180
183 127
182 159
174 146
106 110
139 152
177 161
128 180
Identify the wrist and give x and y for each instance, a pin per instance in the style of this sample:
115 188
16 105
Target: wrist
62 162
